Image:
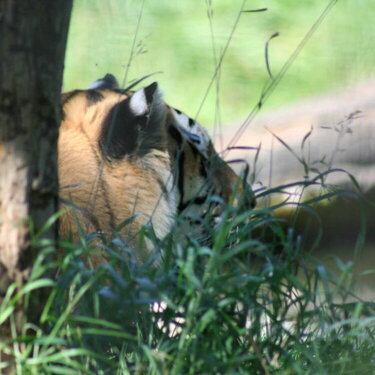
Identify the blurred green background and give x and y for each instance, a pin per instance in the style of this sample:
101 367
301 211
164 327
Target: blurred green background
183 39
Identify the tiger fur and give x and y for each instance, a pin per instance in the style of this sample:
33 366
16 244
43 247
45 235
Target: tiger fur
125 154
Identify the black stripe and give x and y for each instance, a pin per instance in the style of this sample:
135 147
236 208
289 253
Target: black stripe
162 187
93 97
191 122
203 168
198 200
175 134
120 131
150 91
194 151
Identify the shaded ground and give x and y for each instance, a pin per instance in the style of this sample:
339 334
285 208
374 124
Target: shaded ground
343 136
351 111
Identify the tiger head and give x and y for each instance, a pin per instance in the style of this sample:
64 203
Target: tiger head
128 156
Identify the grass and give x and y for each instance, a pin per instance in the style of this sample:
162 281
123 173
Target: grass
234 294
223 301
238 295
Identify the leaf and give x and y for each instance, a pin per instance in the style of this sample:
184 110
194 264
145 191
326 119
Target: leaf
307 135
286 146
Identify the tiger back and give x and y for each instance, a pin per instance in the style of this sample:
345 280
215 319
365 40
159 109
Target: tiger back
128 156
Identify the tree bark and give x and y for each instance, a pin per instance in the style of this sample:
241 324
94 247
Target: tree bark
33 37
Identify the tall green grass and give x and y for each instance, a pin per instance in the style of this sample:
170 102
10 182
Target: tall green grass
219 299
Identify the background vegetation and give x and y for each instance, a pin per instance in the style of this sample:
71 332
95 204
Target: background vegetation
179 39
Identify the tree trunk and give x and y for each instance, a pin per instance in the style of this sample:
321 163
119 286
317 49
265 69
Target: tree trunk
32 47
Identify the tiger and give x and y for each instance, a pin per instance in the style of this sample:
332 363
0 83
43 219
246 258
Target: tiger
128 156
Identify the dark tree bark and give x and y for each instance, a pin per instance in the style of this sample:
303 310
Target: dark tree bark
32 47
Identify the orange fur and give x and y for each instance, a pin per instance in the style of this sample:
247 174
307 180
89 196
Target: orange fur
104 192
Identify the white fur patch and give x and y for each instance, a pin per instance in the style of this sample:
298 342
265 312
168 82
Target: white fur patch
182 119
96 84
183 122
138 103
169 183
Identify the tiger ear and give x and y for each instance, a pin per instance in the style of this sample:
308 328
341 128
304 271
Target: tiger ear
142 101
109 81
136 125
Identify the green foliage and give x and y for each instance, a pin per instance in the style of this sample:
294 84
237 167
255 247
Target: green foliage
180 40
217 299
